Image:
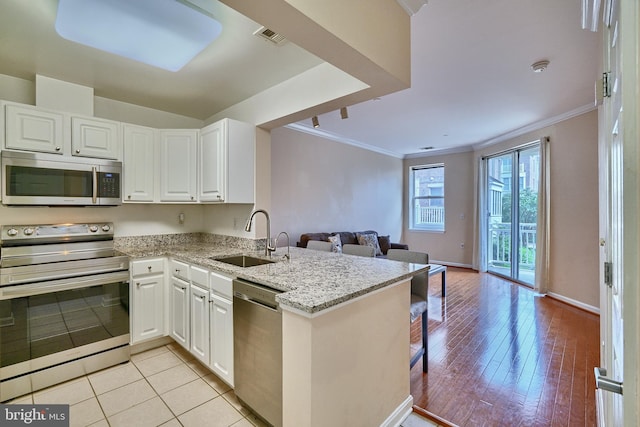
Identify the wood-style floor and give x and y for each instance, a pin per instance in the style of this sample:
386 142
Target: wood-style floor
501 356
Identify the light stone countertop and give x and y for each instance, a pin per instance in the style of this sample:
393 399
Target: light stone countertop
312 280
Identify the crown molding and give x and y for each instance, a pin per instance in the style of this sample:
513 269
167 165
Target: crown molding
535 126
334 137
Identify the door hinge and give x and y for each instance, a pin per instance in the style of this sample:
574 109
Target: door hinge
608 274
606 87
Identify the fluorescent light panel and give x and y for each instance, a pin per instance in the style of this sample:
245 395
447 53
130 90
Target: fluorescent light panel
163 33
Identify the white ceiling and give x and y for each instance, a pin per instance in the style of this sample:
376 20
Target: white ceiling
471 76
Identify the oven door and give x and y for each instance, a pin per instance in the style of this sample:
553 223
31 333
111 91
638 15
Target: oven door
46 324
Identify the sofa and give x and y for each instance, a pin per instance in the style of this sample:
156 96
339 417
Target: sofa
351 237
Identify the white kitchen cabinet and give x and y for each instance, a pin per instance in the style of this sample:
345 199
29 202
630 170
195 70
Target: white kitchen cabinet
221 327
139 163
179 311
199 315
227 162
33 129
147 295
178 168
93 137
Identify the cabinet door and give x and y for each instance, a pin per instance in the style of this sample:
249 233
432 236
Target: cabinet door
179 317
200 324
95 138
221 318
148 303
34 130
178 169
139 163
212 162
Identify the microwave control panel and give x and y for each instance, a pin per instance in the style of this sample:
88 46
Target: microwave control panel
109 185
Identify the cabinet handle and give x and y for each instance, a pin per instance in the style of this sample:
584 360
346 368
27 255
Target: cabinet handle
149 269
138 284
129 197
191 197
177 270
202 297
77 151
58 148
184 289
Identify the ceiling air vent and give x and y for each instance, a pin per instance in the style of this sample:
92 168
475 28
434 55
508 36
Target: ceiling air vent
270 35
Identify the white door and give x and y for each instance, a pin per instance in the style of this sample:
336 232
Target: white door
139 163
618 164
95 138
221 318
178 175
212 162
148 308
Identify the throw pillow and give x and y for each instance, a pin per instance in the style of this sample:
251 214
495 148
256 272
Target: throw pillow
336 243
370 239
385 243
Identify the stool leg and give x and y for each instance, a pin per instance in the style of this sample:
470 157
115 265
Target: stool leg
444 283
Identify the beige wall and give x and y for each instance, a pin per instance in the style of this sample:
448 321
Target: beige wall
455 245
321 185
574 206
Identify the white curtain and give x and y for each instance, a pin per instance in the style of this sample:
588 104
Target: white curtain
542 233
480 216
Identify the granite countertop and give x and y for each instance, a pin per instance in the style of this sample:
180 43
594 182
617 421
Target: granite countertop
312 281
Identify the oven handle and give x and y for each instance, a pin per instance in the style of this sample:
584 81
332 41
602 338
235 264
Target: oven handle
19 291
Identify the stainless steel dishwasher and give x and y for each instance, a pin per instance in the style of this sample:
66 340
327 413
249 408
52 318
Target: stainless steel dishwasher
257 349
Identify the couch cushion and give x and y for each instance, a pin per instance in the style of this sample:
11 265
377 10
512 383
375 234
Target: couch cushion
385 243
336 243
347 237
304 238
370 239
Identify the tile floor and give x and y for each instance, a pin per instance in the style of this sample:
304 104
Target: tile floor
164 386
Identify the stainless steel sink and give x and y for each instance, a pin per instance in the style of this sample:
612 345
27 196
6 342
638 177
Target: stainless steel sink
244 261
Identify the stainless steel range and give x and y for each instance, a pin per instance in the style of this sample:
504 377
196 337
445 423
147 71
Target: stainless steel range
64 304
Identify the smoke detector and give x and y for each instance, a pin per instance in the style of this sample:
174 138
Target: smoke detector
270 35
540 66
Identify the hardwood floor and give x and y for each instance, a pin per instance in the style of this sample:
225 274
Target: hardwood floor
501 356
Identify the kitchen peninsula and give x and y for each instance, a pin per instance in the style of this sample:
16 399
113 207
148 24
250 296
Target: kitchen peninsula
345 328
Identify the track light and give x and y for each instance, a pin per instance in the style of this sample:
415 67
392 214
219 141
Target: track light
314 121
343 113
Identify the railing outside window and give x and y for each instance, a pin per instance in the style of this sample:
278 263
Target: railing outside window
500 251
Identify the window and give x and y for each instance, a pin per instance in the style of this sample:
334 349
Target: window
426 197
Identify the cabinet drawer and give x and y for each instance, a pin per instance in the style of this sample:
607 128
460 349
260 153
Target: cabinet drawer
147 266
222 285
200 277
179 269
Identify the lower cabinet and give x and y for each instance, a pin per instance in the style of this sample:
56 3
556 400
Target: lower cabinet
147 296
221 342
200 323
179 311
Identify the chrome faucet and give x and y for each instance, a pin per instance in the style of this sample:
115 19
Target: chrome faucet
288 255
268 248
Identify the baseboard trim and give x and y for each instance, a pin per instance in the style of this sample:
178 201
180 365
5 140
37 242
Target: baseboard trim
575 303
399 414
450 264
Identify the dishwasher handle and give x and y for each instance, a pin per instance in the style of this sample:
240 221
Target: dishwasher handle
257 302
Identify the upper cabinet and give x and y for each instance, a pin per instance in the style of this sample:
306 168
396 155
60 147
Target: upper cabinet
31 128
92 137
227 162
178 174
28 128
139 163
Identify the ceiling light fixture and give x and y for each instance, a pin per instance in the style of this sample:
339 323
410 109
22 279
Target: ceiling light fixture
314 121
540 66
344 113
163 33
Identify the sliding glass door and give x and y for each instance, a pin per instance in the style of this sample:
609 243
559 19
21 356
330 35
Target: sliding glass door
512 201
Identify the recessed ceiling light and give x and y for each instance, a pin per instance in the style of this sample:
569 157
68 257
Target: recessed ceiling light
540 66
427 148
163 33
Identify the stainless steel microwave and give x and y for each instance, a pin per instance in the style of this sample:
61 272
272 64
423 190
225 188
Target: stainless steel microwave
39 179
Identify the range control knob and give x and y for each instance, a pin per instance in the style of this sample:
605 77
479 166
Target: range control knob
28 231
106 228
93 228
12 232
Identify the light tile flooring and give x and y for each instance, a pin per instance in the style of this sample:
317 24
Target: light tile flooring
164 386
